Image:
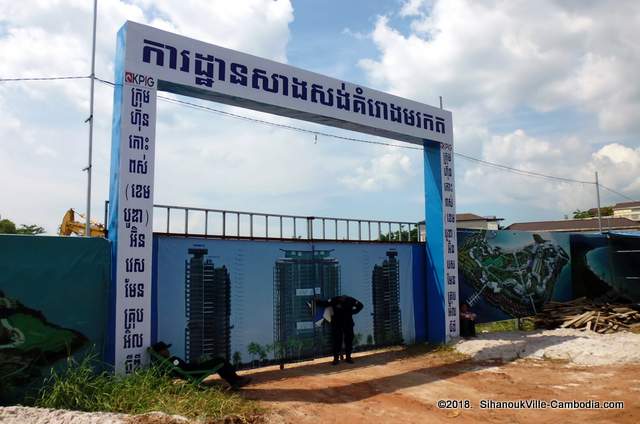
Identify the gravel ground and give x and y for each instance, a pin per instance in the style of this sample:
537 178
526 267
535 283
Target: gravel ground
576 346
25 415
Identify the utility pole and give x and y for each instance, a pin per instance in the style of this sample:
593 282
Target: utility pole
90 119
598 197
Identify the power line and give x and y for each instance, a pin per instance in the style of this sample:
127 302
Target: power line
285 126
44 78
380 143
522 171
338 137
360 140
617 192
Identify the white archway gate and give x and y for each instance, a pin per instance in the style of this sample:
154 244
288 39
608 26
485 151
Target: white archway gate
150 60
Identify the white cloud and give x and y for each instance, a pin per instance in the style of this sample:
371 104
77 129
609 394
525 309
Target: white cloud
508 70
618 166
355 34
414 7
500 55
43 137
389 170
621 166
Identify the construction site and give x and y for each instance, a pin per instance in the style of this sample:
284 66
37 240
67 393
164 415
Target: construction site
277 225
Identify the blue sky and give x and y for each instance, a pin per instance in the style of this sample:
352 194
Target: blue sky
546 87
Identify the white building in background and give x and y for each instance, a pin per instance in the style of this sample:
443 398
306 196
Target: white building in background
629 210
476 222
470 221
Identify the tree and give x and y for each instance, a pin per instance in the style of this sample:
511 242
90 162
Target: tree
8 227
30 229
357 339
296 345
400 235
279 349
237 359
264 352
592 213
254 350
370 340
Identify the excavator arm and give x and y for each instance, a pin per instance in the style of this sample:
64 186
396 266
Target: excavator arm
71 226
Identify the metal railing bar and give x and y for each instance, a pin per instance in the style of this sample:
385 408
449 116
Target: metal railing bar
390 225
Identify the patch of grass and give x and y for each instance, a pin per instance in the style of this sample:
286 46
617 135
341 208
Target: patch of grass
446 351
506 325
80 388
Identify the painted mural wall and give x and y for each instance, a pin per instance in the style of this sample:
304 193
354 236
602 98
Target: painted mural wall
249 301
606 265
506 274
53 300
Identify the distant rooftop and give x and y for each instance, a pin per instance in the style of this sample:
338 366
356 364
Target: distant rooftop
461 217
608 223
625 205
465 217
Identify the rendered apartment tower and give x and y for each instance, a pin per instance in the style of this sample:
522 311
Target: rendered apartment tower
385 288
207 307
298 278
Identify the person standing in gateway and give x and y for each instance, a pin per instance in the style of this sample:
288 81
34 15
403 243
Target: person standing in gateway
344 308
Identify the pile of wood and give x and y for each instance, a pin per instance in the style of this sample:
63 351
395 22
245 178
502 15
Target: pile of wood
585 314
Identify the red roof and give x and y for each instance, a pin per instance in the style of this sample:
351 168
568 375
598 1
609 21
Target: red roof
608 223
626 205
474 217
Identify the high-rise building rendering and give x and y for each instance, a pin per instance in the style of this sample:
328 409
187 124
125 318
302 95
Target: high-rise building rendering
299 277
385 288
207 307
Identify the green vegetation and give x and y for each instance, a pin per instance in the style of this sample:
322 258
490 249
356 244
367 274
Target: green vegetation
592 213
79 387
442 351
8 227
506 325
401 235
237 359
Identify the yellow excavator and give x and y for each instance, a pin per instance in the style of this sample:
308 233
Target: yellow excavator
71 226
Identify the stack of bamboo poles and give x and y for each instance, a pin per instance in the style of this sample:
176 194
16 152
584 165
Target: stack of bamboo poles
588 315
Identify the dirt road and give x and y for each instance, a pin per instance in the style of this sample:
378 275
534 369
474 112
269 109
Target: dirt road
403 386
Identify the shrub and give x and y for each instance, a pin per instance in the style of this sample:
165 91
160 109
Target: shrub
80 387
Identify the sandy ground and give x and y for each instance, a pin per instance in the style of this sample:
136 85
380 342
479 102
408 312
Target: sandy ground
403 385
576 346
397 386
